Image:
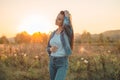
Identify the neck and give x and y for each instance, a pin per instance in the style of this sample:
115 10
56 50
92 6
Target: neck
60 28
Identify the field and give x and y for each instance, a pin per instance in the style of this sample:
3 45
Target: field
87 62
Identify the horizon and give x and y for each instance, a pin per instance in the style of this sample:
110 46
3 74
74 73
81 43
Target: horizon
94 16
48 33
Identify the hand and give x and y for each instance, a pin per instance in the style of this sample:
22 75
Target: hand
53 49
67 14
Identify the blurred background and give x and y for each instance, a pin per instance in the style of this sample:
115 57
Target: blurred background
25 26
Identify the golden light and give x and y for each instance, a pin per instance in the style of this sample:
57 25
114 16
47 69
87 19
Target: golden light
82 49
35 23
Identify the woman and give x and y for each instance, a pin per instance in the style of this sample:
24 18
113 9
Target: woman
60 46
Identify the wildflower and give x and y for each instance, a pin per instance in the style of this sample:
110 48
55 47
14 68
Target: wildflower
36 57
85 61
109 51
24 55
82 49
82 59
15 54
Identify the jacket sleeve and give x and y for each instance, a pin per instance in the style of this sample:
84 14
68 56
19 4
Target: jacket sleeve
48 49
48 45
68 30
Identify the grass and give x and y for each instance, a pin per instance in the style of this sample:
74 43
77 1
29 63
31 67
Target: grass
30 62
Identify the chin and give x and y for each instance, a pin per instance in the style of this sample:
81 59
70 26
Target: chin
60 25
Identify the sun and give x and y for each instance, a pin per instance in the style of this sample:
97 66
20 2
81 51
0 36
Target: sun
35 23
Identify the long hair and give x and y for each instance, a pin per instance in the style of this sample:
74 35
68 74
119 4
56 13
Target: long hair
72 37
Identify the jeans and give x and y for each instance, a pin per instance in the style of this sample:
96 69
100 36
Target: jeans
58 67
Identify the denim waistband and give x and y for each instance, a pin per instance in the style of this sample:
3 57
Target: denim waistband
57 57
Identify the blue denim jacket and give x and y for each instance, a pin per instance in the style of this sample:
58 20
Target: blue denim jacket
66 37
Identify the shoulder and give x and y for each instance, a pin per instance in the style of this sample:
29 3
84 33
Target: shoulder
52 33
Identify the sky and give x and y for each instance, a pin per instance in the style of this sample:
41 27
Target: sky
94 16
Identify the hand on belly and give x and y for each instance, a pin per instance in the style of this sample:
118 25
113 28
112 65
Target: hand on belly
53 49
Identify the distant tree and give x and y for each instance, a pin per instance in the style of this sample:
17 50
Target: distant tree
36 38
4 40
39 38
104 40
77 38
86 37
101 38
44 38
22 37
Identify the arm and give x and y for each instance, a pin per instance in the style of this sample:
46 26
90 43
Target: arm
48 46
68 28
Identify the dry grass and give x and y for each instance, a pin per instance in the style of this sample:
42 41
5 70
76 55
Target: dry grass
30 62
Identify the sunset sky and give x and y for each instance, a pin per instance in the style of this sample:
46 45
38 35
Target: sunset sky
94 16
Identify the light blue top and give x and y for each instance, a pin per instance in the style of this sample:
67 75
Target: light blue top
66 37
56 41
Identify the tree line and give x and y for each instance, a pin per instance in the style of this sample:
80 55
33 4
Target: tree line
38 37
24 37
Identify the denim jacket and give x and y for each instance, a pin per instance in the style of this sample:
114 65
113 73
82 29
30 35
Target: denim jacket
66 37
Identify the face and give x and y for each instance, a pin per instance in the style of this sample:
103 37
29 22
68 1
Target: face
59 20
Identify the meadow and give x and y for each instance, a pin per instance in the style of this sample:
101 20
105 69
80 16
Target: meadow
87 62
93 58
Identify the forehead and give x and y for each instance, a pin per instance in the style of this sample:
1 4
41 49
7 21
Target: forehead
60 16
